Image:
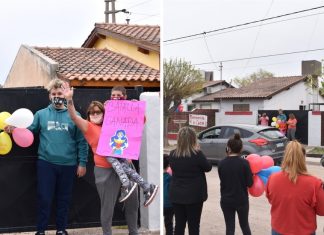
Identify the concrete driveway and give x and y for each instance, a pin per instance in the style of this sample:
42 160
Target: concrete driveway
212 220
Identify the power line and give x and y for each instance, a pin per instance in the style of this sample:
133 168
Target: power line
258 33
138 4
249 27
239 25
144 18
262 56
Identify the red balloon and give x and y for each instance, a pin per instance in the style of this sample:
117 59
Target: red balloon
257 188
255 162
267 162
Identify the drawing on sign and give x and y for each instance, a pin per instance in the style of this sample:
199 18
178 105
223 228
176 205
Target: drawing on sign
122 129
119 142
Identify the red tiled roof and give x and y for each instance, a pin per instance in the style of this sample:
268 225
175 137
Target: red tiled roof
98 64
147 36
263 89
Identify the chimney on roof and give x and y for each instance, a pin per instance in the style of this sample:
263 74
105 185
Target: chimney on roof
207 75
311 67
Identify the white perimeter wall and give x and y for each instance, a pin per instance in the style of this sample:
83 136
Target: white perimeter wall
314 128
150 167
236 118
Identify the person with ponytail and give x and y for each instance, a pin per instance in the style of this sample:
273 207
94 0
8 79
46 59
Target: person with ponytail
188 186
235 177
295 196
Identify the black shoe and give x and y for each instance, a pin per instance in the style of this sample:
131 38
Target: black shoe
125 192
62 233
40 233
149 195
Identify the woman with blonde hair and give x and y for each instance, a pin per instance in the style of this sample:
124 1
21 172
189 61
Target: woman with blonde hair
295 196
188 186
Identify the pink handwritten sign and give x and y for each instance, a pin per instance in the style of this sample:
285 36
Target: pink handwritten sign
121 133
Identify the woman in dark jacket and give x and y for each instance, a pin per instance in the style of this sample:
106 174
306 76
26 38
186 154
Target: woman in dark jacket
235 178
188 187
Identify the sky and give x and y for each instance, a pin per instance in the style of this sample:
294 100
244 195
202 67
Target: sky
294 33
61 23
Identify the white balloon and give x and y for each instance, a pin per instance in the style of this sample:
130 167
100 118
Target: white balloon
21 118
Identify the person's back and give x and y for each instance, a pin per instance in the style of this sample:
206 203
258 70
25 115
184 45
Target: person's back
295 196
235 177
189 183
188 187
295 203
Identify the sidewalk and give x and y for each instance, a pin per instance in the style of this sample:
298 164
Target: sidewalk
90 231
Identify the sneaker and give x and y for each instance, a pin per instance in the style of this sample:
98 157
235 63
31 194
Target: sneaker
149 195
62 233
40 233
125 192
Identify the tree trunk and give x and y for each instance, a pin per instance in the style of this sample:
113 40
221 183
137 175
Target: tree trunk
165 131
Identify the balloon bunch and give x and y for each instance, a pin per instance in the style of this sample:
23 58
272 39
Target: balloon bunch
262 168
274 122
21 119
281 125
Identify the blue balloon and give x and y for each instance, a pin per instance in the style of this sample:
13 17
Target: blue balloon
268 171
274 169
263 178
265 173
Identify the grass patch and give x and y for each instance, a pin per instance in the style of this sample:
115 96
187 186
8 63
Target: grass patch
120 227
317 150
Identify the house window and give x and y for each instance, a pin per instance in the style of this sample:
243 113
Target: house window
144 51
205 106
241 107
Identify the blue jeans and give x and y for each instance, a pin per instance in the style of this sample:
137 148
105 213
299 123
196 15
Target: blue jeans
275 233
53 181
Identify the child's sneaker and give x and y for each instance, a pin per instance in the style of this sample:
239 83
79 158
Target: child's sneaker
62 233
125 192
149 195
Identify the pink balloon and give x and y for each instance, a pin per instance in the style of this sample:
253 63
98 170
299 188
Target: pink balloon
169 170
267 162
23 137
255 162
257 188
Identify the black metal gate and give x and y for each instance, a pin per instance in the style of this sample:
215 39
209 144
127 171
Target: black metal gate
18 168
302 122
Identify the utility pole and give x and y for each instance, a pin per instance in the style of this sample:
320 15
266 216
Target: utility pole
221 70
113 11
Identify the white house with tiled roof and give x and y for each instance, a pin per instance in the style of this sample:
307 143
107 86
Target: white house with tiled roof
267 94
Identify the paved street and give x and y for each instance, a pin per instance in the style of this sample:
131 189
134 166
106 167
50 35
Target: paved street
212 221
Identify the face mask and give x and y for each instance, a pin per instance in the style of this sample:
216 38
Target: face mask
97 119
58 101
118 98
